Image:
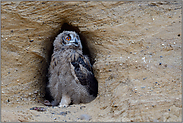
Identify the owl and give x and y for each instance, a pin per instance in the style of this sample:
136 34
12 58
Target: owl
71 78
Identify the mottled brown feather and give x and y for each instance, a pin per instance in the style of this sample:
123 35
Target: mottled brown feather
70 72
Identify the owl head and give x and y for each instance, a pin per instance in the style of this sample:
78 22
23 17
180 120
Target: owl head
69 39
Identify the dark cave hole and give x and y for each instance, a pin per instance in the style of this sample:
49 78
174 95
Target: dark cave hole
67 27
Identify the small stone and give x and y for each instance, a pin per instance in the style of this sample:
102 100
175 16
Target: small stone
161 56
11 30
168 109
82 107
85 117
144 78
8 72
159 63
31 40
37 115
62 113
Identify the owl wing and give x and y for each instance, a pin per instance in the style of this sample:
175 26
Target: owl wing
83 72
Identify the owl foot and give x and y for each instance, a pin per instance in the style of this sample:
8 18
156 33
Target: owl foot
65 101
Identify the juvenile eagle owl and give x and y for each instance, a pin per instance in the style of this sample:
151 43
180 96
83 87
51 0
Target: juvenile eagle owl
71 79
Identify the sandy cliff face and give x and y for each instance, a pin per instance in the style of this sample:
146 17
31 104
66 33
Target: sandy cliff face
135 47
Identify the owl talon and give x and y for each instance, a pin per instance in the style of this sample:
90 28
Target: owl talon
64 106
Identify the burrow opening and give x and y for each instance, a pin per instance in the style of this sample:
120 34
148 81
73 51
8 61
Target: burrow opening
86 51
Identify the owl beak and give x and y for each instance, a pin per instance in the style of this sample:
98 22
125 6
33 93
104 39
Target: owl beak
75 41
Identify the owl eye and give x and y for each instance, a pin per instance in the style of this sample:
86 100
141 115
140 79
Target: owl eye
68 38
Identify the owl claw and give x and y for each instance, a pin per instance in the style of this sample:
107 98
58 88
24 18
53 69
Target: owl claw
64 106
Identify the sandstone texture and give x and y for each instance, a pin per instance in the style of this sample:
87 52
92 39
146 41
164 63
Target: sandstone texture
135 48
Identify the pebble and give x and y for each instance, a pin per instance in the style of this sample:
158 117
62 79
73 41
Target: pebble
63 113
82 107
143 87
35 92
38 108
85 117
161 56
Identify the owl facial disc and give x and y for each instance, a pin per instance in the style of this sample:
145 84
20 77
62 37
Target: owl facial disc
71 38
